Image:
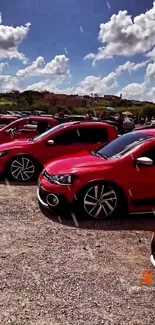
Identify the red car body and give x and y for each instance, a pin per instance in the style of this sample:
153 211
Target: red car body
24 128
152 257
29 156
118 177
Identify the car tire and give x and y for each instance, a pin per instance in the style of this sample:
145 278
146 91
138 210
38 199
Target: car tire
101 200
22 169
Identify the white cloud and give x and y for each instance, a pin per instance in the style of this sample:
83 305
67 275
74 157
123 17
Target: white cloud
92 84
123 36
131 66
135 91
47 85
58 67
9 83
3 65
151 94
150 72
151 54
10 39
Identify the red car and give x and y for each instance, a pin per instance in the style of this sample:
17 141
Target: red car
115 179
7 119
152 257
26 127
22 160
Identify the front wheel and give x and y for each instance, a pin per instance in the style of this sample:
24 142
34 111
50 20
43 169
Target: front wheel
101 200
21 169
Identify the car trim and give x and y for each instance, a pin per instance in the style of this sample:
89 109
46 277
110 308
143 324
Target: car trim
143 202
40 200
152 260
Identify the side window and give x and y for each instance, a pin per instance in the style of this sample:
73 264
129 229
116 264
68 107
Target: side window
93 135
66 137
150 153
30 123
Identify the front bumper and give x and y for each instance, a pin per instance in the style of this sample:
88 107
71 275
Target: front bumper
152 257
52 200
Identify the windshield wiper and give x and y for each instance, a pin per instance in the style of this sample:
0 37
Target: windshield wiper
97 154
103 156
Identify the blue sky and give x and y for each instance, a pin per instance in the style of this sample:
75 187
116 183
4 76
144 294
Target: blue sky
64 32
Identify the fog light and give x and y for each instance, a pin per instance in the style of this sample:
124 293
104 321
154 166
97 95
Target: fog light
52 200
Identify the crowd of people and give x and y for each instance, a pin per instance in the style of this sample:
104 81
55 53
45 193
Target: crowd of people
113 116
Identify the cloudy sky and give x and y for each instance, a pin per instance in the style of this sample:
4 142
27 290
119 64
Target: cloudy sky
78 47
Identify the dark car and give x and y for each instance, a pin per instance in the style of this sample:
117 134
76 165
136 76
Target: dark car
119 127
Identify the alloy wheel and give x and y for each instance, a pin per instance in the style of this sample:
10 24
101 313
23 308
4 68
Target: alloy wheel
100 201
22 169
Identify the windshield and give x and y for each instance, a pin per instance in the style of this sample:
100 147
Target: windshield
50 131
122 145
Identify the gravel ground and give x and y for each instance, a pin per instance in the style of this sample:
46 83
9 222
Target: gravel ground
54 271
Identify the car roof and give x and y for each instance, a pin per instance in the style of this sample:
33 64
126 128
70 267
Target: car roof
35 118
8 117
86 124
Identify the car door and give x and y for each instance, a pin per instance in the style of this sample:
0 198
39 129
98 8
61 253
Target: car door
25 130
65 143
142 181
77 139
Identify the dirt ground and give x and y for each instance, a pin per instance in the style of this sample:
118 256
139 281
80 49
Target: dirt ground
62 271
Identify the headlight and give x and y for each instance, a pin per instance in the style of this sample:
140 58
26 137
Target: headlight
66 179
3 153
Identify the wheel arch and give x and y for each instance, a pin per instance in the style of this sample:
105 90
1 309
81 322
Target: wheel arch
34 159
99 181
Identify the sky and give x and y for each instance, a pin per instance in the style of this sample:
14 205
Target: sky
78 47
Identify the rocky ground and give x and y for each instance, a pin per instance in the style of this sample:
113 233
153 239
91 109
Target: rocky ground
64 271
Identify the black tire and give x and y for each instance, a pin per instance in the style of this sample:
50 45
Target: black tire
16 173
115 206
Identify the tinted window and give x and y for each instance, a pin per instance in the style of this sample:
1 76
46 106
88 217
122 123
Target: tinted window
93 135
49 132
5 121
124 144
67 137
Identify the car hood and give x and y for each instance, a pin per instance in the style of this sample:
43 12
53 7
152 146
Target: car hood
14 144
75 162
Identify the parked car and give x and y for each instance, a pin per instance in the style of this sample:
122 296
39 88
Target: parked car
152 257
114 180
25 128
7 119
119 127
22 160
147 127
76 118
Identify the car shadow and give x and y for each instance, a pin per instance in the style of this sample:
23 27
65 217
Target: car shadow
5 181
130 222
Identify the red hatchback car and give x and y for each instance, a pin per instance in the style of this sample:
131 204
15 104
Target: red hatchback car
152 257
117 178
26 127
22 160
7 119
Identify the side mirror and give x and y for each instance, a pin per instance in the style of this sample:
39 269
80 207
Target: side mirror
9 131
144 161
50 142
